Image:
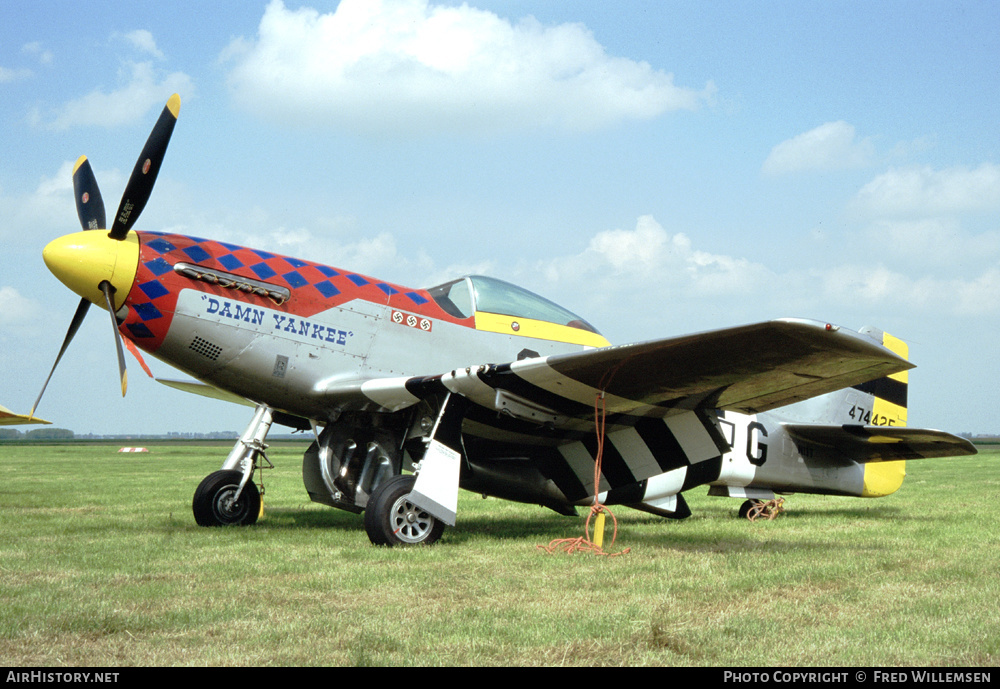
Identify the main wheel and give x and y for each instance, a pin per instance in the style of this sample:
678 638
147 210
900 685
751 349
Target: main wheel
391 519
213 503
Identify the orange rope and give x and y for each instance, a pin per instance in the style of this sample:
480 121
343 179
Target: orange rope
766 509
583 543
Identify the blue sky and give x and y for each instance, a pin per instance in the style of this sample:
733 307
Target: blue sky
659 167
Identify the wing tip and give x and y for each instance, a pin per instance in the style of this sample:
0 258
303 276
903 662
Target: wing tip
847 335
9 418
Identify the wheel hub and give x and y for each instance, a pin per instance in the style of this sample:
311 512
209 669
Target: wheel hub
226 507
410 523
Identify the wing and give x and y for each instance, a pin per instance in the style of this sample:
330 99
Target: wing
748 369
9 418
660 398
196 388
865 444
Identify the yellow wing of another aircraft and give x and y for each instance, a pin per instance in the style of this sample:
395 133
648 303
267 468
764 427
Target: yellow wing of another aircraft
9 418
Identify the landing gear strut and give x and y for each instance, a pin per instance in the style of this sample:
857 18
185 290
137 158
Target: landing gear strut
405 510
229 496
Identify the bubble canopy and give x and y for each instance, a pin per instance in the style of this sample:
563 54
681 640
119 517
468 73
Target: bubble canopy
467 295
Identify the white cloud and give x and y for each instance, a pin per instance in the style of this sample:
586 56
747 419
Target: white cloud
143 90
15 307
409 66
48 208
20 316
368 255
923 190
8 75
651 257
652 282
143 40
933 242
11 74
831 146
919 294
333 241
36 49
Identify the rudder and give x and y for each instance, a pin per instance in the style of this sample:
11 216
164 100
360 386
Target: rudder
887 395
888 401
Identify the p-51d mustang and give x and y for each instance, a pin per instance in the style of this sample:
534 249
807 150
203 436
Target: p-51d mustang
481 385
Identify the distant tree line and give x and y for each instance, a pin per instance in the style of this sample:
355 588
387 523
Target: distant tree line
36 434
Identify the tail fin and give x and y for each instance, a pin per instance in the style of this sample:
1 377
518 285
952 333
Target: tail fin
887 396
879 402
849 442
888 408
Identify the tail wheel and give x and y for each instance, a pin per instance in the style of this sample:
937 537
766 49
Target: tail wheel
213 503
391 519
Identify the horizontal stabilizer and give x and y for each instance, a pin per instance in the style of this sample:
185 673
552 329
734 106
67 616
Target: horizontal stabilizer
865 444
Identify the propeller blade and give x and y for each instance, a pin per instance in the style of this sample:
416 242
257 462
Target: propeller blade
74 325
106 288
140 184
89 204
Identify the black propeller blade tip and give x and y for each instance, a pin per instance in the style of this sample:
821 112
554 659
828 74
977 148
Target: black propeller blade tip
89 204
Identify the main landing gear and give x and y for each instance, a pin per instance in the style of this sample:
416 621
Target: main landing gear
357 464
391 519
353 465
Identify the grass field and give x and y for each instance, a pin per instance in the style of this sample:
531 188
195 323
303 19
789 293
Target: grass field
101 564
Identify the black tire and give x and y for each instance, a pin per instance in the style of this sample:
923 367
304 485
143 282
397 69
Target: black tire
746 507
391 519
213 506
